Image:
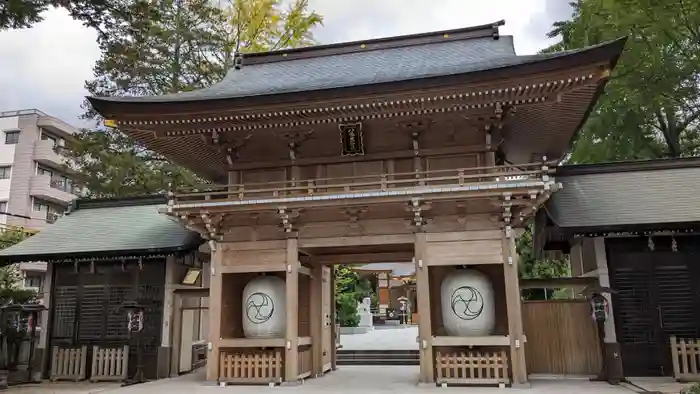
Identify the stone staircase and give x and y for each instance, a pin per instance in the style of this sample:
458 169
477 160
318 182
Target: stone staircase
378 357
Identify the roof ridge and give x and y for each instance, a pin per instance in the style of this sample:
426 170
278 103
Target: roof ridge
464 33
118 202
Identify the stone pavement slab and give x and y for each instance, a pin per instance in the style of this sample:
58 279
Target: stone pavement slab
63 388
382 338
363 380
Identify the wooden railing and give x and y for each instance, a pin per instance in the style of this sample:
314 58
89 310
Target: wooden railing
479 367
251 366
109 364
685 356
304 361
68 363
362 183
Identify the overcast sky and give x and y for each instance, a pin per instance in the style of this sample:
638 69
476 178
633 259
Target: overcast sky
46 66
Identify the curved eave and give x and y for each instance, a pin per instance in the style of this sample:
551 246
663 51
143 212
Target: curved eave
153 107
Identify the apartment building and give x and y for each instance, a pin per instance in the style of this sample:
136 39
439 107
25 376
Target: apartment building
36 187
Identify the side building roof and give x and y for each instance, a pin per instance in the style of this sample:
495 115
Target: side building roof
106 228
622 197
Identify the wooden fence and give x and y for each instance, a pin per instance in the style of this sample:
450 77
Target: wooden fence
685 355
250 366
561 338
109 364
473 367
68 363
305 361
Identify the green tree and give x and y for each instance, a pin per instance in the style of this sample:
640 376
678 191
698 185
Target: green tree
652 103
532 268
10 278
350 289
21 14
168 47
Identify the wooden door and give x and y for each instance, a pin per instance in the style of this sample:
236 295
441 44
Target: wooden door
655 298
327 335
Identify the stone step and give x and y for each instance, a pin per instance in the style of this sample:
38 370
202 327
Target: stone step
378 362
378 351
378 357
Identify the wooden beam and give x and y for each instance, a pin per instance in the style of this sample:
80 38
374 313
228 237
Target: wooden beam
558 282
356 241
304 270
334 333
514 308
360 258
215 293
316 320
371 156
425 335
291 361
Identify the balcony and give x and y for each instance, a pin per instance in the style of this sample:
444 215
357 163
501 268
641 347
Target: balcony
56 126
525 179
52 189
34 266
46 152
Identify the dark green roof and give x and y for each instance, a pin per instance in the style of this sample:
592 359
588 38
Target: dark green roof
108 227
636 193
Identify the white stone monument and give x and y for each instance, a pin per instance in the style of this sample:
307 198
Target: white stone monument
365 313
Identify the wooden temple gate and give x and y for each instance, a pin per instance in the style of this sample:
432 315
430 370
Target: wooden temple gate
436 159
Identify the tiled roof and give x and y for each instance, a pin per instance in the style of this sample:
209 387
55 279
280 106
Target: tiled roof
396 269
633 193
354 69
99 229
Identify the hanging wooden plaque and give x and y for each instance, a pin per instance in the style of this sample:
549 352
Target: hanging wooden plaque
352 139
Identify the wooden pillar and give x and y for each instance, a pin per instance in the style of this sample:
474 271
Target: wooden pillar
215 288
291 361
43 354
425 334
601 261
333 319
317 320
176 347
514 307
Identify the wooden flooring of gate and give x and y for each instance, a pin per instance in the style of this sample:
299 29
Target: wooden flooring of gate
561 338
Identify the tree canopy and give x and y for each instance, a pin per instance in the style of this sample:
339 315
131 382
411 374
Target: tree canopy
165 47
10 291
651 107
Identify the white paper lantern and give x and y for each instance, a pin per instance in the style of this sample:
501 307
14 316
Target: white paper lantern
264 308
468 305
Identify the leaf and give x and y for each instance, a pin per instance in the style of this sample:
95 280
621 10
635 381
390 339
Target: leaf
651 107
169 46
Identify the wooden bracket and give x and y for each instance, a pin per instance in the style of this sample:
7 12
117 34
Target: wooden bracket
230 146
417 208
507 205
212 224
295 139
415 128
287 216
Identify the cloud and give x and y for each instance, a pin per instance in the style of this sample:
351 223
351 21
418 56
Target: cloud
45 67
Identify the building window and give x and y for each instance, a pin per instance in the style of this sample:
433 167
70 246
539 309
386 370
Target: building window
3 206
43 171
40 206
5 172
48 137
33 280
11 137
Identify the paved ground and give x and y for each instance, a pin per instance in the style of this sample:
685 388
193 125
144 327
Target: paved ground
661 385
346 380
382 338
